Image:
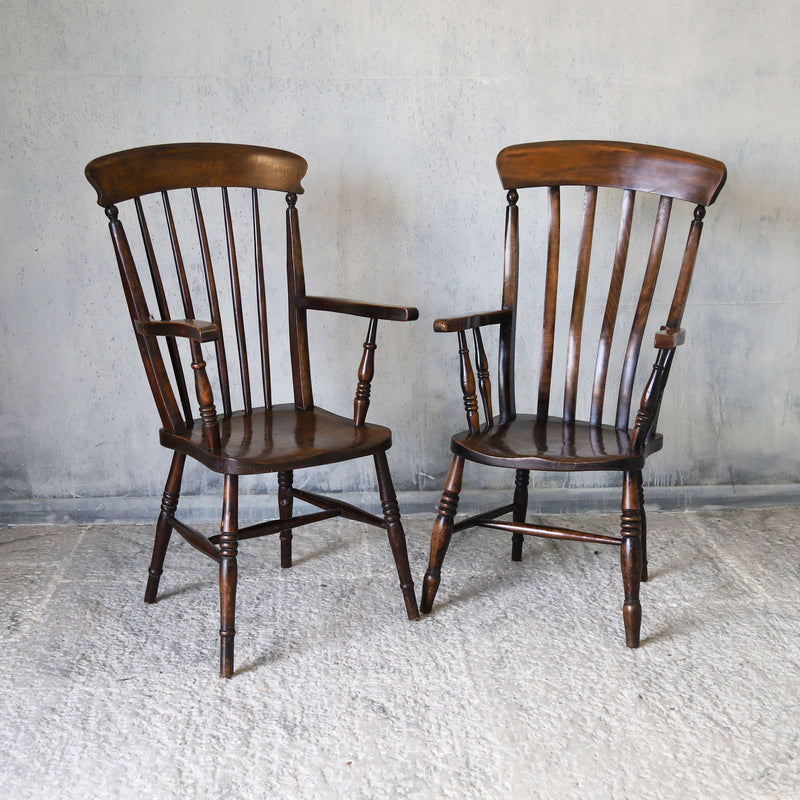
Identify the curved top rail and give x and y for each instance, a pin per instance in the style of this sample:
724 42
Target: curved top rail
143 170
623 165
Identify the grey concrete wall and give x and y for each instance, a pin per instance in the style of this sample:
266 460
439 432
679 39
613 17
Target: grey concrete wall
400 109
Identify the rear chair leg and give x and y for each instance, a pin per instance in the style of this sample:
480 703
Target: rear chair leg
442 531
228 573
169 505
644 531
397 537
520 510
285 499
631 556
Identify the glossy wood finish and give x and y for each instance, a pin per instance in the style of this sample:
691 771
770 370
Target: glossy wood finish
542 440
551 443
624 165
133 173
278 439
230 424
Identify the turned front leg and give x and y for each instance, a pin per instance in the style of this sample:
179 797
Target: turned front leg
631 556
397 536
442 532
205 397
366 371
169 504
285 504
228 574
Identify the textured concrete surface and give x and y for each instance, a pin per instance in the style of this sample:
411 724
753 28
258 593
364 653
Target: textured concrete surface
518 685
400 109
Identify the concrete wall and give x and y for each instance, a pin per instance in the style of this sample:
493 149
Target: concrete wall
400 109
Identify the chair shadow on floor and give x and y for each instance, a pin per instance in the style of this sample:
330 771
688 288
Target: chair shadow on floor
185 588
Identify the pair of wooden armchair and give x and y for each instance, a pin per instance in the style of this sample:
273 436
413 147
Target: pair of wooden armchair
192 302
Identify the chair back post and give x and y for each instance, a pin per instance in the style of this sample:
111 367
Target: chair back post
687 270
507 335
298 326
163 395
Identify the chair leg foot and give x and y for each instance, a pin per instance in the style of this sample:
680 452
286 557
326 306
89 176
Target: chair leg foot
151 590
226 654
169 504
430 585
396 534
410 600
632 616
516 546
631 556
228 574
442 532
285 502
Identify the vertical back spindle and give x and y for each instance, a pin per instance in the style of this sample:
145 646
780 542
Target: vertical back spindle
612 306
550 301
263 338
642 313
213 302
186 295
236 297
579 304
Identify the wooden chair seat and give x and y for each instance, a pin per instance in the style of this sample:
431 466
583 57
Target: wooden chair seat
552 444
281 437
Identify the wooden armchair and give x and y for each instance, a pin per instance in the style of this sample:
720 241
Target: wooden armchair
167 184
540 440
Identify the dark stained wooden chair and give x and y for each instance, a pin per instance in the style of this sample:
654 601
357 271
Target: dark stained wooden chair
540 440
177 186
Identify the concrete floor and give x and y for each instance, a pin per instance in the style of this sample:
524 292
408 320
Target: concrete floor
518 685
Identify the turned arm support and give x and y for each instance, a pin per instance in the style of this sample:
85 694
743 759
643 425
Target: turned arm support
461 325
667 339
197 332
373 312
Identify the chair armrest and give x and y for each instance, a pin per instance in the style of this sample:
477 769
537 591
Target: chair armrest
453 324
197 331
194 329
373 312
669 338
358 309
647 415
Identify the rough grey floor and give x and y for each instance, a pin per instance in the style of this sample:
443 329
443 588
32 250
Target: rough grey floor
517 686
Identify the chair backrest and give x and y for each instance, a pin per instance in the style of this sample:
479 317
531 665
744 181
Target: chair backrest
196 205
631 168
